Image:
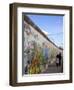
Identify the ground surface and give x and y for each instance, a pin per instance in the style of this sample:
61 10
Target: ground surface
53 69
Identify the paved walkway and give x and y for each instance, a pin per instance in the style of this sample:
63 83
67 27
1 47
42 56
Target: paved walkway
53 69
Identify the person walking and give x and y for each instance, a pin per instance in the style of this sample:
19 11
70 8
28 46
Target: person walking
58 59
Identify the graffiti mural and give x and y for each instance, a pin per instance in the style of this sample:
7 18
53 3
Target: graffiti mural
36 54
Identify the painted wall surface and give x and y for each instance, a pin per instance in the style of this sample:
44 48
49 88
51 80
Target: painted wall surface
4 46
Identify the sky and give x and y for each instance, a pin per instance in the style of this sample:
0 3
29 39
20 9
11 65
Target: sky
51 25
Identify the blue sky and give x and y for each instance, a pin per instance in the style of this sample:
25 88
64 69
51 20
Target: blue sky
52 25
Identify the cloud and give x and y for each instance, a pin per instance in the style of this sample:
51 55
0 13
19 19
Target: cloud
45 32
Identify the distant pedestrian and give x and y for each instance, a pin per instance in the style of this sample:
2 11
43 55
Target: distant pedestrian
58 59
